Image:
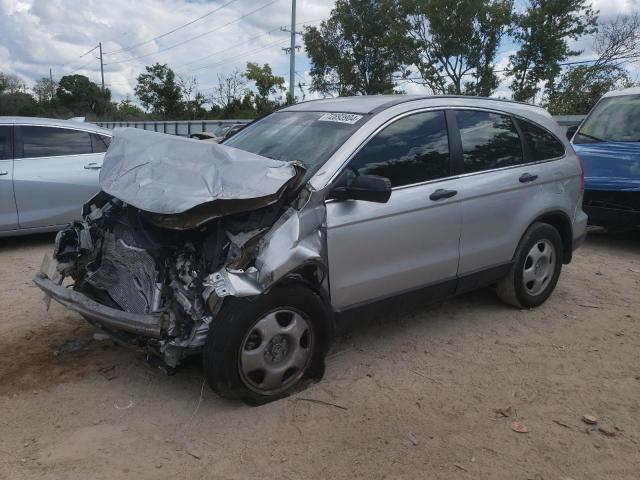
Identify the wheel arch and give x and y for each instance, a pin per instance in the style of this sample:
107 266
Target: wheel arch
314 275
562 223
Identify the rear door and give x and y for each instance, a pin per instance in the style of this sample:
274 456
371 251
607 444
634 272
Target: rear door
507 184
55 171
8 214
381 249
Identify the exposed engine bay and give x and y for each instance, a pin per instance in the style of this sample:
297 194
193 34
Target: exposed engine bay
121 259
156 280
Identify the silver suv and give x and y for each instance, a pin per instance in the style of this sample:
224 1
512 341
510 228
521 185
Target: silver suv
247 251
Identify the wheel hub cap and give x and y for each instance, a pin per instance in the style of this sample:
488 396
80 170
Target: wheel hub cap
539 267
276 351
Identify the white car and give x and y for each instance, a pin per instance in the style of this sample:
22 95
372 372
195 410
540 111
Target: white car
48 169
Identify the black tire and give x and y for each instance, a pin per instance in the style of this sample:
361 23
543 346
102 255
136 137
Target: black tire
235 322
512 288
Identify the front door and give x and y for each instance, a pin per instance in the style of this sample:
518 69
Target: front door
378 250
55 173
8 214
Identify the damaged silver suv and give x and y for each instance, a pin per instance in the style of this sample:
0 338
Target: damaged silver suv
246 251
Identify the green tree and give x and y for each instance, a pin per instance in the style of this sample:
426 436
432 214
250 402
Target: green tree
616 43
455 41
543 32
45 90
10 83
159 91
582 86
230 89
267 84
81 96
127 110
193 101
358 49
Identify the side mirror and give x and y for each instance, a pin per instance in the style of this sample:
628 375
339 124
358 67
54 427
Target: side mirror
369 188
571 131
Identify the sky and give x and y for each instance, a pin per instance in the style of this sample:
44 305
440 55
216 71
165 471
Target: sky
38 35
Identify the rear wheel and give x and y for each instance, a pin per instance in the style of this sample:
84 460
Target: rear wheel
262 349
535 271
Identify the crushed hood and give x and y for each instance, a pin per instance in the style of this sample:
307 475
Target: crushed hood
167 174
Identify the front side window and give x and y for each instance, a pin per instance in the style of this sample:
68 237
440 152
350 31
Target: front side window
411 150
613 119
307 137
6 150
542 144
489 140
53 141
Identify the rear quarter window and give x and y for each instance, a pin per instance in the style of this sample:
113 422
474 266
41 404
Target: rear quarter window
6 152
542 144
99 143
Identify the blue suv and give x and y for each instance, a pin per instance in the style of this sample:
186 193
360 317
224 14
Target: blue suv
608 143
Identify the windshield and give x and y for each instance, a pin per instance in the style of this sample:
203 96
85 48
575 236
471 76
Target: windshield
308 137
613 119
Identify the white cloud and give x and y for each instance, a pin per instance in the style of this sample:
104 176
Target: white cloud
36 35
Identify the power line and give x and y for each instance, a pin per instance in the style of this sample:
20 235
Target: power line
88 52
229 59
196 37
81 67
226 60
505 70
184 25
277 29
198 60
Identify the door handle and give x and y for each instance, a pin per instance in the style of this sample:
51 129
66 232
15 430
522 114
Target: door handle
441 193
92 166
3 172
527 177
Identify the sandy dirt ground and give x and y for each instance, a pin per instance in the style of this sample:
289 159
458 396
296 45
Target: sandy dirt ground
410 391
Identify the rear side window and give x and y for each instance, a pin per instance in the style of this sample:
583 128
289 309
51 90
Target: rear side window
413 149
489 140
6 143
542 144
53 141
99 143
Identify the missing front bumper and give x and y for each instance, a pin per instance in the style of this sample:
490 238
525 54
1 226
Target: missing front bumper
148 325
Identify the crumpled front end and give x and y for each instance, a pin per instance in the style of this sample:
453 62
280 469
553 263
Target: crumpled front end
157 280
159 288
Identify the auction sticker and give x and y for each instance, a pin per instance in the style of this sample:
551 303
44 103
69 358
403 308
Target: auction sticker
349 118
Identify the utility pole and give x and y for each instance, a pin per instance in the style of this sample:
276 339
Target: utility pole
291 50
292 54
102 67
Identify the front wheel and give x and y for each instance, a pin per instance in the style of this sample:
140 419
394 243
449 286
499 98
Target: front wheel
536 268
262 349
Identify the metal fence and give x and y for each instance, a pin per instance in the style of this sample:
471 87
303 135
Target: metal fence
187 127
181 127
